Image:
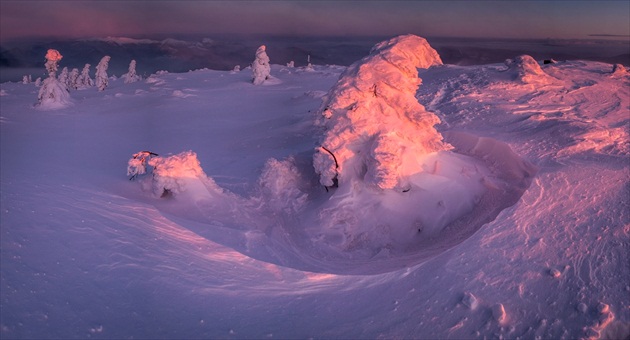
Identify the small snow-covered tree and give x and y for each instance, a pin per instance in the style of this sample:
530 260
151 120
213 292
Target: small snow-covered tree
237 68
261 69
38 82
101 73
291 64
63 77
26 79
53 94
309 66
131 76
84 80
73 79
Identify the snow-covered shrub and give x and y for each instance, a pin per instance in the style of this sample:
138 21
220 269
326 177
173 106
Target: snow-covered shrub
101 73
53 94
375 128
291 64
26 79
131 76
236 68
280 185
38 82
527 70
172 175
137 165
84 80
261 69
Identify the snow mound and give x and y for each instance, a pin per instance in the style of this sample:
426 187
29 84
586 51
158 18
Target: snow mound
172 175
376 129
525 69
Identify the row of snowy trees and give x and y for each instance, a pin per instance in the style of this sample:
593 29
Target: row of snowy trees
54 91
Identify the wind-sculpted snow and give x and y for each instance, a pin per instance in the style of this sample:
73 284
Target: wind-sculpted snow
402 196
375 128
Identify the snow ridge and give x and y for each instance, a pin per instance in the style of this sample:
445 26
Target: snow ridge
376 128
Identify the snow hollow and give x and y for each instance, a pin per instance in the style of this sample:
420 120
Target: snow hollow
399 197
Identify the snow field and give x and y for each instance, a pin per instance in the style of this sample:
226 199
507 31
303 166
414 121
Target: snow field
240 248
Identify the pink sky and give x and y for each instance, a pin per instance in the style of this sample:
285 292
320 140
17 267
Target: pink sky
510 19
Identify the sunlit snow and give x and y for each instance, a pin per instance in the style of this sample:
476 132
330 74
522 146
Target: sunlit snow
504 212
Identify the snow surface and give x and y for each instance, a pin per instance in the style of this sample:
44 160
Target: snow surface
248 243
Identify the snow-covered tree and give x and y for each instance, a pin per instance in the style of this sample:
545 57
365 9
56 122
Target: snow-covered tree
101 73
73 79
131 76
84 80
309 66
38 82
261 69
26 79
53 94
63 77
291 64
375 128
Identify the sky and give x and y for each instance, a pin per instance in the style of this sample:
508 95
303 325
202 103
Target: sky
478 19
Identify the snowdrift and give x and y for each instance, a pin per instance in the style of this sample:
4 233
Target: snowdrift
400 192
526 70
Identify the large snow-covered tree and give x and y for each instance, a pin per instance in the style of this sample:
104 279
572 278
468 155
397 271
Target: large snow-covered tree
261 69
101 73
53 94
375 128
131 76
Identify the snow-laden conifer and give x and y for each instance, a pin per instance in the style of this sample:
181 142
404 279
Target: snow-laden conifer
131 76
63 77
85 81
261 69
73 79
53 94
375 128
101 73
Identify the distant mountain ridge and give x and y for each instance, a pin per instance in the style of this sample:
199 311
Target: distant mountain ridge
181 54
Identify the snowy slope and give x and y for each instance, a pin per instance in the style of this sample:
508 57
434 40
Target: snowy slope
239 252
